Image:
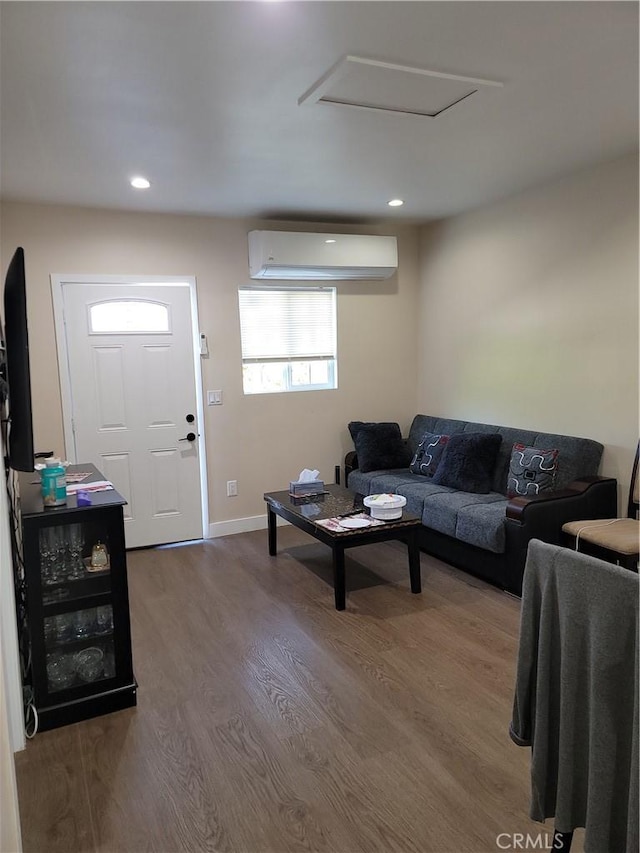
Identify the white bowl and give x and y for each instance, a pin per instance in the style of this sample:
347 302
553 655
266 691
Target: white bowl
385 507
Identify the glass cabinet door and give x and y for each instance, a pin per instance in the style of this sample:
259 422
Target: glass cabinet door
79 647
74 562
77 635
77 607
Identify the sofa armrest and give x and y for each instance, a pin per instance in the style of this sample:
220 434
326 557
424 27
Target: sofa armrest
588 497
350 464
542 517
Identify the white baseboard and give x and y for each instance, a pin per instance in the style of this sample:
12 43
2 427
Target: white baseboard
240 525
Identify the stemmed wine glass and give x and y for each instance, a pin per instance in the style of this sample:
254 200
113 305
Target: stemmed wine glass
52 556
52 566
47 555
76 543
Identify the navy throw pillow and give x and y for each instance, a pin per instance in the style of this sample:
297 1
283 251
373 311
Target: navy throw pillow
379 446
428 455
468 461
355 426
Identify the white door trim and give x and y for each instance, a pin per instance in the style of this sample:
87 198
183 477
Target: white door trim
58 280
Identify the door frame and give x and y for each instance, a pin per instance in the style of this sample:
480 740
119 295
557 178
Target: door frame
58 280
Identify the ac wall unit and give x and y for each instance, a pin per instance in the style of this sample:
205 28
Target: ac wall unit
291 255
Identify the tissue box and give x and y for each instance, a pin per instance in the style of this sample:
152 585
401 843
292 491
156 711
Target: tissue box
311 487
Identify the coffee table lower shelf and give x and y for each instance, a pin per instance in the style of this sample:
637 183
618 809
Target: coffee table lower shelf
404 529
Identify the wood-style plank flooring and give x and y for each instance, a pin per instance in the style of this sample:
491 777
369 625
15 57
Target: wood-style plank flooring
268 722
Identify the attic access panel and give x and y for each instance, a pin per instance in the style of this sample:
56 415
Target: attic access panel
372 84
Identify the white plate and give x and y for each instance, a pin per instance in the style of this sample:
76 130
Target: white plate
353 523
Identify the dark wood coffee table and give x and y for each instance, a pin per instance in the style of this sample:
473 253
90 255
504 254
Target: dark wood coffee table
306 512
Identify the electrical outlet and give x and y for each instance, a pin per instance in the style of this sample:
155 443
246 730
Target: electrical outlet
232 488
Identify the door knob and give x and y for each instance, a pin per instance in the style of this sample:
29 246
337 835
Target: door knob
190 436
190 419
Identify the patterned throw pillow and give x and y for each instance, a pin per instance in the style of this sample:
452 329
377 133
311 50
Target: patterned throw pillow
428 455
531 471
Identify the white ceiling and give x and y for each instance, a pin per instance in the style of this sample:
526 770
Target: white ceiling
202 98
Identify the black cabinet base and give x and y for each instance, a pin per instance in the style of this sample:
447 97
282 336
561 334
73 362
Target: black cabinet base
54 716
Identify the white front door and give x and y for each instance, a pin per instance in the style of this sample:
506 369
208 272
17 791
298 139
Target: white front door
134 406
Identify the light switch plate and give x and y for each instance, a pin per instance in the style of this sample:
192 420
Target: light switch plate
214 398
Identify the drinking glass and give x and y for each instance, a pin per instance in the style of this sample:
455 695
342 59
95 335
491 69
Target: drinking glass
84 623
50 630
104 619
65 627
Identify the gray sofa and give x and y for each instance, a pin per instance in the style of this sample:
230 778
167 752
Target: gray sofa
488 534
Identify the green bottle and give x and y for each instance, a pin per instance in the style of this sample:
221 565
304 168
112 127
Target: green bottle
54 483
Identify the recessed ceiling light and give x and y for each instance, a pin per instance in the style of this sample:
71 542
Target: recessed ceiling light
329 241
395 202
140 183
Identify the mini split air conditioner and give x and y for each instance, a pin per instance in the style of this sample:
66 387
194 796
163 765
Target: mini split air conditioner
291 255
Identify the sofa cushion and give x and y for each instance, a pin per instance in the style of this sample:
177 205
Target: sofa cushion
442 509
484 525
467 462
379 446
531 471
428 454
414 487
416 490
361 482
389 482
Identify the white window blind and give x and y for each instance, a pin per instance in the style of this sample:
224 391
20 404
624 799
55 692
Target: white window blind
288 339
292 324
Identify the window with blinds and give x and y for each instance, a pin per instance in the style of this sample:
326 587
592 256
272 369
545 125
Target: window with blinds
288 338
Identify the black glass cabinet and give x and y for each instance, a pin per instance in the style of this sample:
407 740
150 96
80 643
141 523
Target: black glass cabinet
77 604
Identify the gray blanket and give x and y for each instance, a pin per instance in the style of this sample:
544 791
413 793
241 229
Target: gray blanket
576 696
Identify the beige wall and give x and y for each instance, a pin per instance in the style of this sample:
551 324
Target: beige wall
524 313
529 312
261 441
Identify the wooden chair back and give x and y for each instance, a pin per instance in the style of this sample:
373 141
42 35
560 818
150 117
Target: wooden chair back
634 490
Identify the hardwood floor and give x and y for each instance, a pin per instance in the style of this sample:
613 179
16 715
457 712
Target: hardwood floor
268 722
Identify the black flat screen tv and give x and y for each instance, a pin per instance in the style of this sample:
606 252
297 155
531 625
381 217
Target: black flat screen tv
17 376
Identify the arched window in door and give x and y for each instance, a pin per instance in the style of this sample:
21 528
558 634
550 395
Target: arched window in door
128 316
